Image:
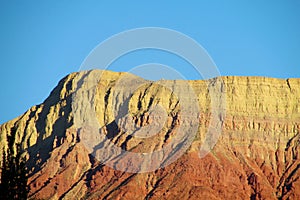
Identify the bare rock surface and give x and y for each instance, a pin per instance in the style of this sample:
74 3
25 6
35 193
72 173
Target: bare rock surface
255 157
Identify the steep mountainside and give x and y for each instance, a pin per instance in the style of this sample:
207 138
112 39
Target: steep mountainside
255 157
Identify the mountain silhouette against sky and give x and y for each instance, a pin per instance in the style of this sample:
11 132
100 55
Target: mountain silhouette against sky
256 156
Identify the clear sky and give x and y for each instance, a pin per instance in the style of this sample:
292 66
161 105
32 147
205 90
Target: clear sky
42 41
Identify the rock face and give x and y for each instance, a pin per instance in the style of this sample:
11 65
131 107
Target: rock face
256 156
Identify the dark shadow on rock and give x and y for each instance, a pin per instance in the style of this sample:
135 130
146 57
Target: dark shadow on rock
41 151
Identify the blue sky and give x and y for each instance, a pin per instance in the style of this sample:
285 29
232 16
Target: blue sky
42 41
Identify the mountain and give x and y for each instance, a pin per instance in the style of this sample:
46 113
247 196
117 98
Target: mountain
224 138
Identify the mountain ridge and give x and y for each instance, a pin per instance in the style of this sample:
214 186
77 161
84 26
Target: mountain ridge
256 156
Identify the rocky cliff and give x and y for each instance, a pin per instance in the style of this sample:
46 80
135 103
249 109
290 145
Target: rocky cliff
255 155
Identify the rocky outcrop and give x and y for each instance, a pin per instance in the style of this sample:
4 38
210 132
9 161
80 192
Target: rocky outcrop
256 155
